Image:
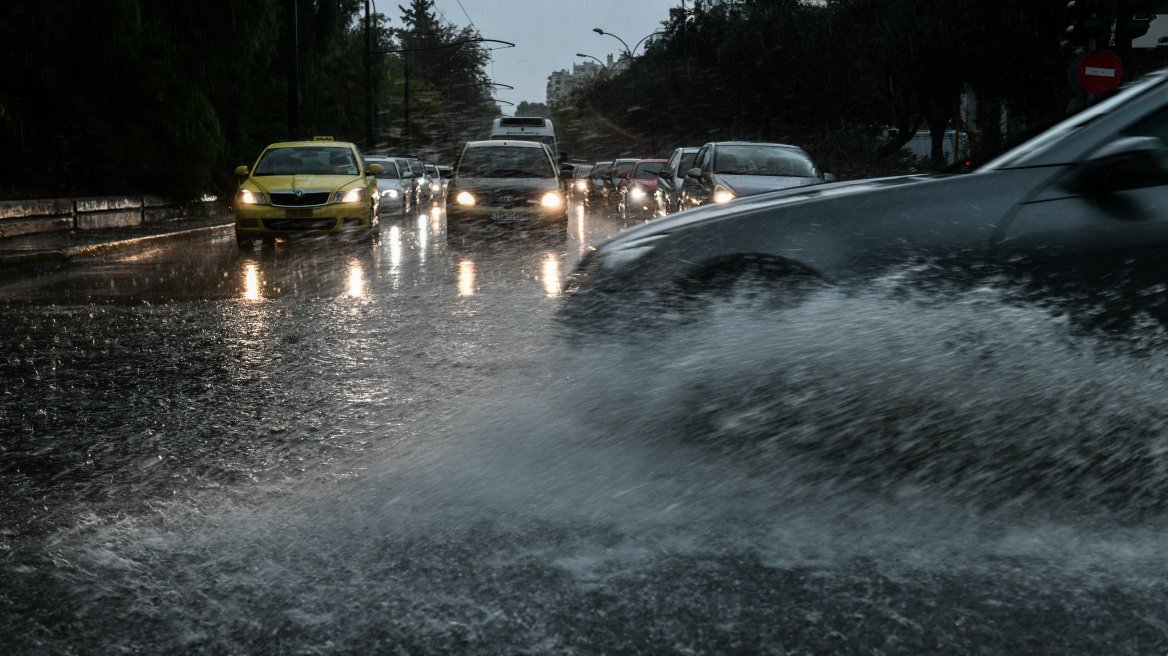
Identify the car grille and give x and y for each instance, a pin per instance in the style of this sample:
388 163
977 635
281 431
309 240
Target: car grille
300 224
307 199
500 199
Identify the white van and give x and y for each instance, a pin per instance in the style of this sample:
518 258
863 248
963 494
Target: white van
526 128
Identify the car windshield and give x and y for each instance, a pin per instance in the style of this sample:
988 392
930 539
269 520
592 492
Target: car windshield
583 171
763 160
601 168
505 162
307 160
623 167
687 160
389 171
648 170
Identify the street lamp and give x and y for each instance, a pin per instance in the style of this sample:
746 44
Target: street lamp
406 65
603 33
603 66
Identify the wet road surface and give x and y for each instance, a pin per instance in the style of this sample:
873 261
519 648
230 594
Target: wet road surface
349 448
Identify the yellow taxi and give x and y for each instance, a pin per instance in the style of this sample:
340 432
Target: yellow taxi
303 187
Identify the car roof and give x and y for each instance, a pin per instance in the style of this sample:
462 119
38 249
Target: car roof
505 142
752 143
320 144
642 161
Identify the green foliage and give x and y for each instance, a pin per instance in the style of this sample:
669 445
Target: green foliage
797 72
537 110
168 96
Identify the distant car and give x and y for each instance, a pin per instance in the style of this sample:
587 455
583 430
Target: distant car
636 198
612 179
391 186
1071 219
435 181
507 183
596 182
579 183
422 192
444 174
726 170
668 191
302 187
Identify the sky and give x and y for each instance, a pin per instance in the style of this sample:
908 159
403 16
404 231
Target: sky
547 34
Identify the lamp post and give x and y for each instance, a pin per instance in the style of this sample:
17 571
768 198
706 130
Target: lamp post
603 66
406 66
603 33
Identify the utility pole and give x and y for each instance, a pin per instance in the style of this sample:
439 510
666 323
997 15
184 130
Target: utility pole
368 81
294 76
406 109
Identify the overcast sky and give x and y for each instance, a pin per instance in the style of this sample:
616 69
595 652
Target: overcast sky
547 34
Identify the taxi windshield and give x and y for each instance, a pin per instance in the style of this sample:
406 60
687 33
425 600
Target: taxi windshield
307 160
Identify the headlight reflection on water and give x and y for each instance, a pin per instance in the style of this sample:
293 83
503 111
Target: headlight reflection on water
356 280
251 289
551 275
466 278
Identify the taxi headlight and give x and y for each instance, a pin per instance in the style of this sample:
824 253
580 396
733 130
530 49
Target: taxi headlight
722 195
551 199
389 193
249 197
465 198
350 196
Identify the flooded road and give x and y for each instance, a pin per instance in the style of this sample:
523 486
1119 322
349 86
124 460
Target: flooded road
339 448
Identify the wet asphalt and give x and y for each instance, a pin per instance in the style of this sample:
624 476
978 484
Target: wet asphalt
333 447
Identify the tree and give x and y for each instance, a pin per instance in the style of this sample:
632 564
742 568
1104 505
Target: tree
532 109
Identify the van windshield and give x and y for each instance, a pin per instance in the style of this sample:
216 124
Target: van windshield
505 162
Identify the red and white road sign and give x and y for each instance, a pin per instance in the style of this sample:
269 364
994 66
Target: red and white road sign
1100 71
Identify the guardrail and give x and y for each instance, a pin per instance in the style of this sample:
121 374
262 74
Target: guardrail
23 217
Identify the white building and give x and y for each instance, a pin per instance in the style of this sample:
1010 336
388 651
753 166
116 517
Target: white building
561 82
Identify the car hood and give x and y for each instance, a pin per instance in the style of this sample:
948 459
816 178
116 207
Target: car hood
506 184
281 182
793 196
749 185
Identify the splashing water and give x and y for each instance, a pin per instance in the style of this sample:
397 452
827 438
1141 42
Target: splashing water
852 474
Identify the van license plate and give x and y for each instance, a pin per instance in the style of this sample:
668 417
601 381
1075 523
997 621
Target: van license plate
507 216
298 214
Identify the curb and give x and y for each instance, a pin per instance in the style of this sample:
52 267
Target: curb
69 253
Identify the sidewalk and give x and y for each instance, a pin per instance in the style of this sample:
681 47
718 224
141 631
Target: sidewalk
66 245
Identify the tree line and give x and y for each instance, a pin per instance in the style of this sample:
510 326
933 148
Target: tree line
835 77
168 96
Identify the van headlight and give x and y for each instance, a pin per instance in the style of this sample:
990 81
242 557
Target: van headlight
551 199
464 198
350 196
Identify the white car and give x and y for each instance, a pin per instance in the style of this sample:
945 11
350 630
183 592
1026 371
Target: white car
392 185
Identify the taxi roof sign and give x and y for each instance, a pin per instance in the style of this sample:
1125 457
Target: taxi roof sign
322 138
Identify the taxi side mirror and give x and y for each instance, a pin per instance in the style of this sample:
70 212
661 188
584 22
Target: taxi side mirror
375 169
241 171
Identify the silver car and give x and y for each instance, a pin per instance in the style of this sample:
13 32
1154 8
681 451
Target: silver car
393 186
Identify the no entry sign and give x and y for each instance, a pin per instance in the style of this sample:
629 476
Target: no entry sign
1099 71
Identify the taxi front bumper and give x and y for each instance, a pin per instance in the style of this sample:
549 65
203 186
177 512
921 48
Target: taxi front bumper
266 220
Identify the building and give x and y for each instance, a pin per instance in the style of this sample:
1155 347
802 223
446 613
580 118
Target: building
561 82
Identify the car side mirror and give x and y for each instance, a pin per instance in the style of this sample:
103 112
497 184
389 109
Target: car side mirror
241 171
1126 163
407 175
695 173
827 177
375 169
623 175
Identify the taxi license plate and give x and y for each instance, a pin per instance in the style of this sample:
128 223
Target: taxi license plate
507 216
298 214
